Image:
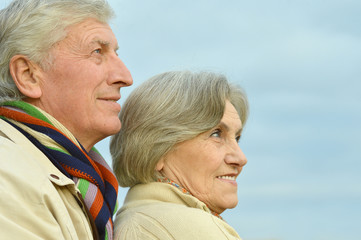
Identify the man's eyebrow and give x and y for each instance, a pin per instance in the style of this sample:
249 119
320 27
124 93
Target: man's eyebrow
103 43
99 41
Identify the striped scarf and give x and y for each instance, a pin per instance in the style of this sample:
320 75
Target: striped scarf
91 174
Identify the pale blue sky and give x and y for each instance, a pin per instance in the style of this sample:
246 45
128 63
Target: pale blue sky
299 64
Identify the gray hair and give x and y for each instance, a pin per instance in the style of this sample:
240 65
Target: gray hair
167 109
32 27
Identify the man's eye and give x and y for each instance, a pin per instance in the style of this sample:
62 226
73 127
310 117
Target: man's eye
98 51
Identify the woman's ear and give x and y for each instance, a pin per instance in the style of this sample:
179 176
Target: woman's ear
26 76
160 165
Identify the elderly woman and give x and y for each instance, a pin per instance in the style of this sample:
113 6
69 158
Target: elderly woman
178 152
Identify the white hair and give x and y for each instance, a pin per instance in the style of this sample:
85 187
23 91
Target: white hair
32 27
165 110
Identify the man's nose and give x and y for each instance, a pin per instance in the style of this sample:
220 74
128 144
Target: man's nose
120 74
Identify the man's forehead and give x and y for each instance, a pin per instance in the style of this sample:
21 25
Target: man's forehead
89 25
93 32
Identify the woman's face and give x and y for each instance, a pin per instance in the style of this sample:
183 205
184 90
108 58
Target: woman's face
208 165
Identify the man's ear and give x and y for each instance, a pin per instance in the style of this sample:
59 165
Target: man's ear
26 76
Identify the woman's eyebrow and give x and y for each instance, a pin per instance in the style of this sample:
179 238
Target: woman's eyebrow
227 128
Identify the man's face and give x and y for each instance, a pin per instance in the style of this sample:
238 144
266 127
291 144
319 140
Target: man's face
82 86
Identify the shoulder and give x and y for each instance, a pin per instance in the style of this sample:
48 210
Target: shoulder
33 192
139 225
25 172
19 159
22 164
172 221
148 220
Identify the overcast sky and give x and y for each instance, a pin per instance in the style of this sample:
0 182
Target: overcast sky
299 62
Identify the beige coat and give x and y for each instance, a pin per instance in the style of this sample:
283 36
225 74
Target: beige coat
37 201
161 211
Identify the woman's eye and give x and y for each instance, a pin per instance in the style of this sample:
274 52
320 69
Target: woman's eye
216 133
238 138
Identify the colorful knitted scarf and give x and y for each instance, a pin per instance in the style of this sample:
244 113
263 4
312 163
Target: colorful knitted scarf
91 174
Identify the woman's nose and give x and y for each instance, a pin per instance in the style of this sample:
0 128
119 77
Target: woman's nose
236 156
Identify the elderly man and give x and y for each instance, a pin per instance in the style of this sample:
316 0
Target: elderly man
60 80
